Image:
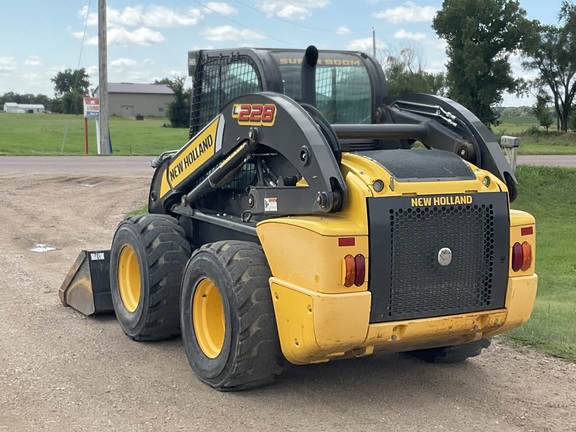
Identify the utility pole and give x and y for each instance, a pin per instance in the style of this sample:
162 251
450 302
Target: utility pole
104 143
373 42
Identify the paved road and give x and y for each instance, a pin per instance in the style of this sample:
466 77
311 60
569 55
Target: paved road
141 164
76 164
550 160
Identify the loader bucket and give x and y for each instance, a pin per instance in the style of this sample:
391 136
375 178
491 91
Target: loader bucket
86 287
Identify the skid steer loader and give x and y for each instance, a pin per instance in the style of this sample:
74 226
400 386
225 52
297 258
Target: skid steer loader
308 219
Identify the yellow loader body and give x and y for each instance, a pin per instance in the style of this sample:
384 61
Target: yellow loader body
320 319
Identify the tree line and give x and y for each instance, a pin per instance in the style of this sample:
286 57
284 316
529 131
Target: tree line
482 35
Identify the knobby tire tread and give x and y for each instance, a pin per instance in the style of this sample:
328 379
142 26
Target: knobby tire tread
258 356
167 251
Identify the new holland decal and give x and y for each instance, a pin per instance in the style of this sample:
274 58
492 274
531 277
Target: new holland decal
193 155
442 200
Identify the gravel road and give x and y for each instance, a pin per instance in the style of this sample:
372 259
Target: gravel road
62 371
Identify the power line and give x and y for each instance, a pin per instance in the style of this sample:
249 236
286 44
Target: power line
242 25
77 73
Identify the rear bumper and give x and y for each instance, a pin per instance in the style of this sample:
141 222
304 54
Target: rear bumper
315 327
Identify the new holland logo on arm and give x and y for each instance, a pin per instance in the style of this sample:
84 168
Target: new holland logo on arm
193 155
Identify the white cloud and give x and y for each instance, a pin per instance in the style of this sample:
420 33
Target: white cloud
343 31
178 73
436 66
409 12
290 9
365 45
122 63
221 8
123 37
92 16
153 16
436 44
229 33
404 34
33 61
7 64
33 78
93 72
518 70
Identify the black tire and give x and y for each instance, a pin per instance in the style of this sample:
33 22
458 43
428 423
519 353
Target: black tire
452 354
227 317
147 258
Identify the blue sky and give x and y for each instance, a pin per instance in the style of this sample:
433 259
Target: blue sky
149 40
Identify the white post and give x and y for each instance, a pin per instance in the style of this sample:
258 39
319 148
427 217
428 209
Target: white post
510 146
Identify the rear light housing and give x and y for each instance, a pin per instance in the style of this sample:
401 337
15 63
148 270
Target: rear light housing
521 256
354 270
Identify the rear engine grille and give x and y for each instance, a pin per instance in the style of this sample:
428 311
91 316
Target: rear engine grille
408 279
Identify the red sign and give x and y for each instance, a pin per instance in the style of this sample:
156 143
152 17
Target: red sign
91 108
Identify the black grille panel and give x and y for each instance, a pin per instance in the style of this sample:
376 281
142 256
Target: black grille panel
220 80
407 279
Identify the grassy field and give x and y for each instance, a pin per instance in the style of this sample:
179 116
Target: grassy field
547 193
54 134
539 142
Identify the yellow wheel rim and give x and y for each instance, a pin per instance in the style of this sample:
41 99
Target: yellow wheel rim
208 318
129 278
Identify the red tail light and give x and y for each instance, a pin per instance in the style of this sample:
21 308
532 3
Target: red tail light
521 256
350 270
517 257
360 264
355 270
526 256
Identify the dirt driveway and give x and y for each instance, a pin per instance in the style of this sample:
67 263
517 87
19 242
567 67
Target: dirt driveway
60 371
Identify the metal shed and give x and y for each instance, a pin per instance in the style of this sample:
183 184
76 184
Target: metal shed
16 108
131 100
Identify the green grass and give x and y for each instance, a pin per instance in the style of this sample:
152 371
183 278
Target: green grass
539 142
548 144
138 211
54 134
548 194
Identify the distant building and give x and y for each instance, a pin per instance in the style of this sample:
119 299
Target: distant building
131 100
16 108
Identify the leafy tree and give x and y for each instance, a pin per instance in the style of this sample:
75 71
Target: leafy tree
541 111
72 103
552 52
44 100
179 109
480 37
572 121
71 80
70 86
405 74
